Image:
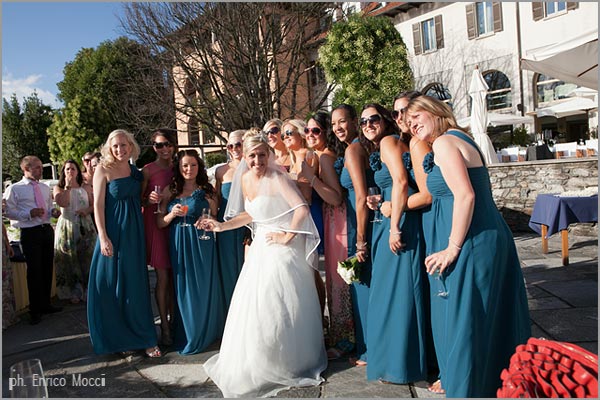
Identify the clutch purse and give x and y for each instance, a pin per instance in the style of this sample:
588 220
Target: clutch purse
547 368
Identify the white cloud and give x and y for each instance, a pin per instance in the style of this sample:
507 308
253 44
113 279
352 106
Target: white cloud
24 87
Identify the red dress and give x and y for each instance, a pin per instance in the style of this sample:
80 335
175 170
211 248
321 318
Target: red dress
157 240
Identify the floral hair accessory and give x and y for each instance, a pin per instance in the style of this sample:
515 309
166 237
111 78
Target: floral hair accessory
375 161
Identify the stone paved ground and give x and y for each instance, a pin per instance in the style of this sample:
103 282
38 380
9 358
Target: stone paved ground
563 303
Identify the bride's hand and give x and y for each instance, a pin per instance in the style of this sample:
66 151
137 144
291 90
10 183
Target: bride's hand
209 225
277 237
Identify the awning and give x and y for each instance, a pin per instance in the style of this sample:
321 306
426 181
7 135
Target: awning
497 119
574 106
573 61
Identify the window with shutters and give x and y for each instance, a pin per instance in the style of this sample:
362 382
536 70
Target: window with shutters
555 7
428 35
485 18
438 91
499 93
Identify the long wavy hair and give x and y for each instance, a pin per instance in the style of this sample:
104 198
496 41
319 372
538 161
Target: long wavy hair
390 127
176 186
108 160
61 179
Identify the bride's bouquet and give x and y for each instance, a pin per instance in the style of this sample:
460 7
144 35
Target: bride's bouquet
349 270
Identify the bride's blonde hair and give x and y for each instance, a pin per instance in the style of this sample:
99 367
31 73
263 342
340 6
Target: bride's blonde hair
253 138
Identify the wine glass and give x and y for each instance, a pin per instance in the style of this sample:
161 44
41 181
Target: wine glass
309 158
374 195
26 380
157 191
184 207
205 215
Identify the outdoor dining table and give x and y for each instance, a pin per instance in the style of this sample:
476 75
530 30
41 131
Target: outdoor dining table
553 213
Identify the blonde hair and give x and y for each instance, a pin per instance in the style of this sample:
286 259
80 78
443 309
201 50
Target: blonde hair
108 160
237 133
275 121
253 138
445 116
299 125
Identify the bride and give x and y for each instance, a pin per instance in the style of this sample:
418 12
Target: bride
273 337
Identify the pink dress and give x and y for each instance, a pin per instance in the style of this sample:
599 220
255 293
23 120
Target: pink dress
339 302
157 240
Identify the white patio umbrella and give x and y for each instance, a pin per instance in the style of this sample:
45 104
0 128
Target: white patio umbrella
478 92
572 61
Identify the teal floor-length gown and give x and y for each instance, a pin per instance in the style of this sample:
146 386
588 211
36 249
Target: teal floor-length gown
230 249
397 327
119 310
359 290
200 315
479 306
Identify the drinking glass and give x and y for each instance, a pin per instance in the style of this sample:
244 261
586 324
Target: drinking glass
157 191
184 208
374 194
309 158
205 215
442 291
26 380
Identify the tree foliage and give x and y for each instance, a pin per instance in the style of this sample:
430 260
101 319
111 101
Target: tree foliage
116 85
78 128
367 58
24 132
243 63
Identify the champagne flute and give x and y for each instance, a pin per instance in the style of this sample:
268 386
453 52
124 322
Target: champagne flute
309 158
157 191
374 195
26 380
184 208
205 215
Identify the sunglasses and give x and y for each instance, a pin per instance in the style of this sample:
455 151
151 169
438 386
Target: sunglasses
396 113
287 133
87 159
273 131
315 130
373 119
160 145
232 145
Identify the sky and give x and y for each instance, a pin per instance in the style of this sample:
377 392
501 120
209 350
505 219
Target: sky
39 38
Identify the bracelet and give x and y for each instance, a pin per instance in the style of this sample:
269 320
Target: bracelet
395 233
312 181
361 246
453 243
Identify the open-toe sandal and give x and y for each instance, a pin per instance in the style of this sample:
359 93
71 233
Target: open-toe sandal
436 387
153 352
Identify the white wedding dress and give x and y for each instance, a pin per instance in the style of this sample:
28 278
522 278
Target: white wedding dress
273 336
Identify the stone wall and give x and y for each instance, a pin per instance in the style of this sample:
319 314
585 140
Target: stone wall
516 185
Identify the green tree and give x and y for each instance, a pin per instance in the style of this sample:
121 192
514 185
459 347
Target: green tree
116 85
78 128
366 57
24 132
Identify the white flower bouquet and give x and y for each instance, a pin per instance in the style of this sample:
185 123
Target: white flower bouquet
349 270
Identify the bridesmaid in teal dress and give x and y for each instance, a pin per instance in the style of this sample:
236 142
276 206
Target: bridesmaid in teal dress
355 177
398 321
230 244
119 311
474 265
200 311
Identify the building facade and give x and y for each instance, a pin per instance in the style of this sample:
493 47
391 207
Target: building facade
447 40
